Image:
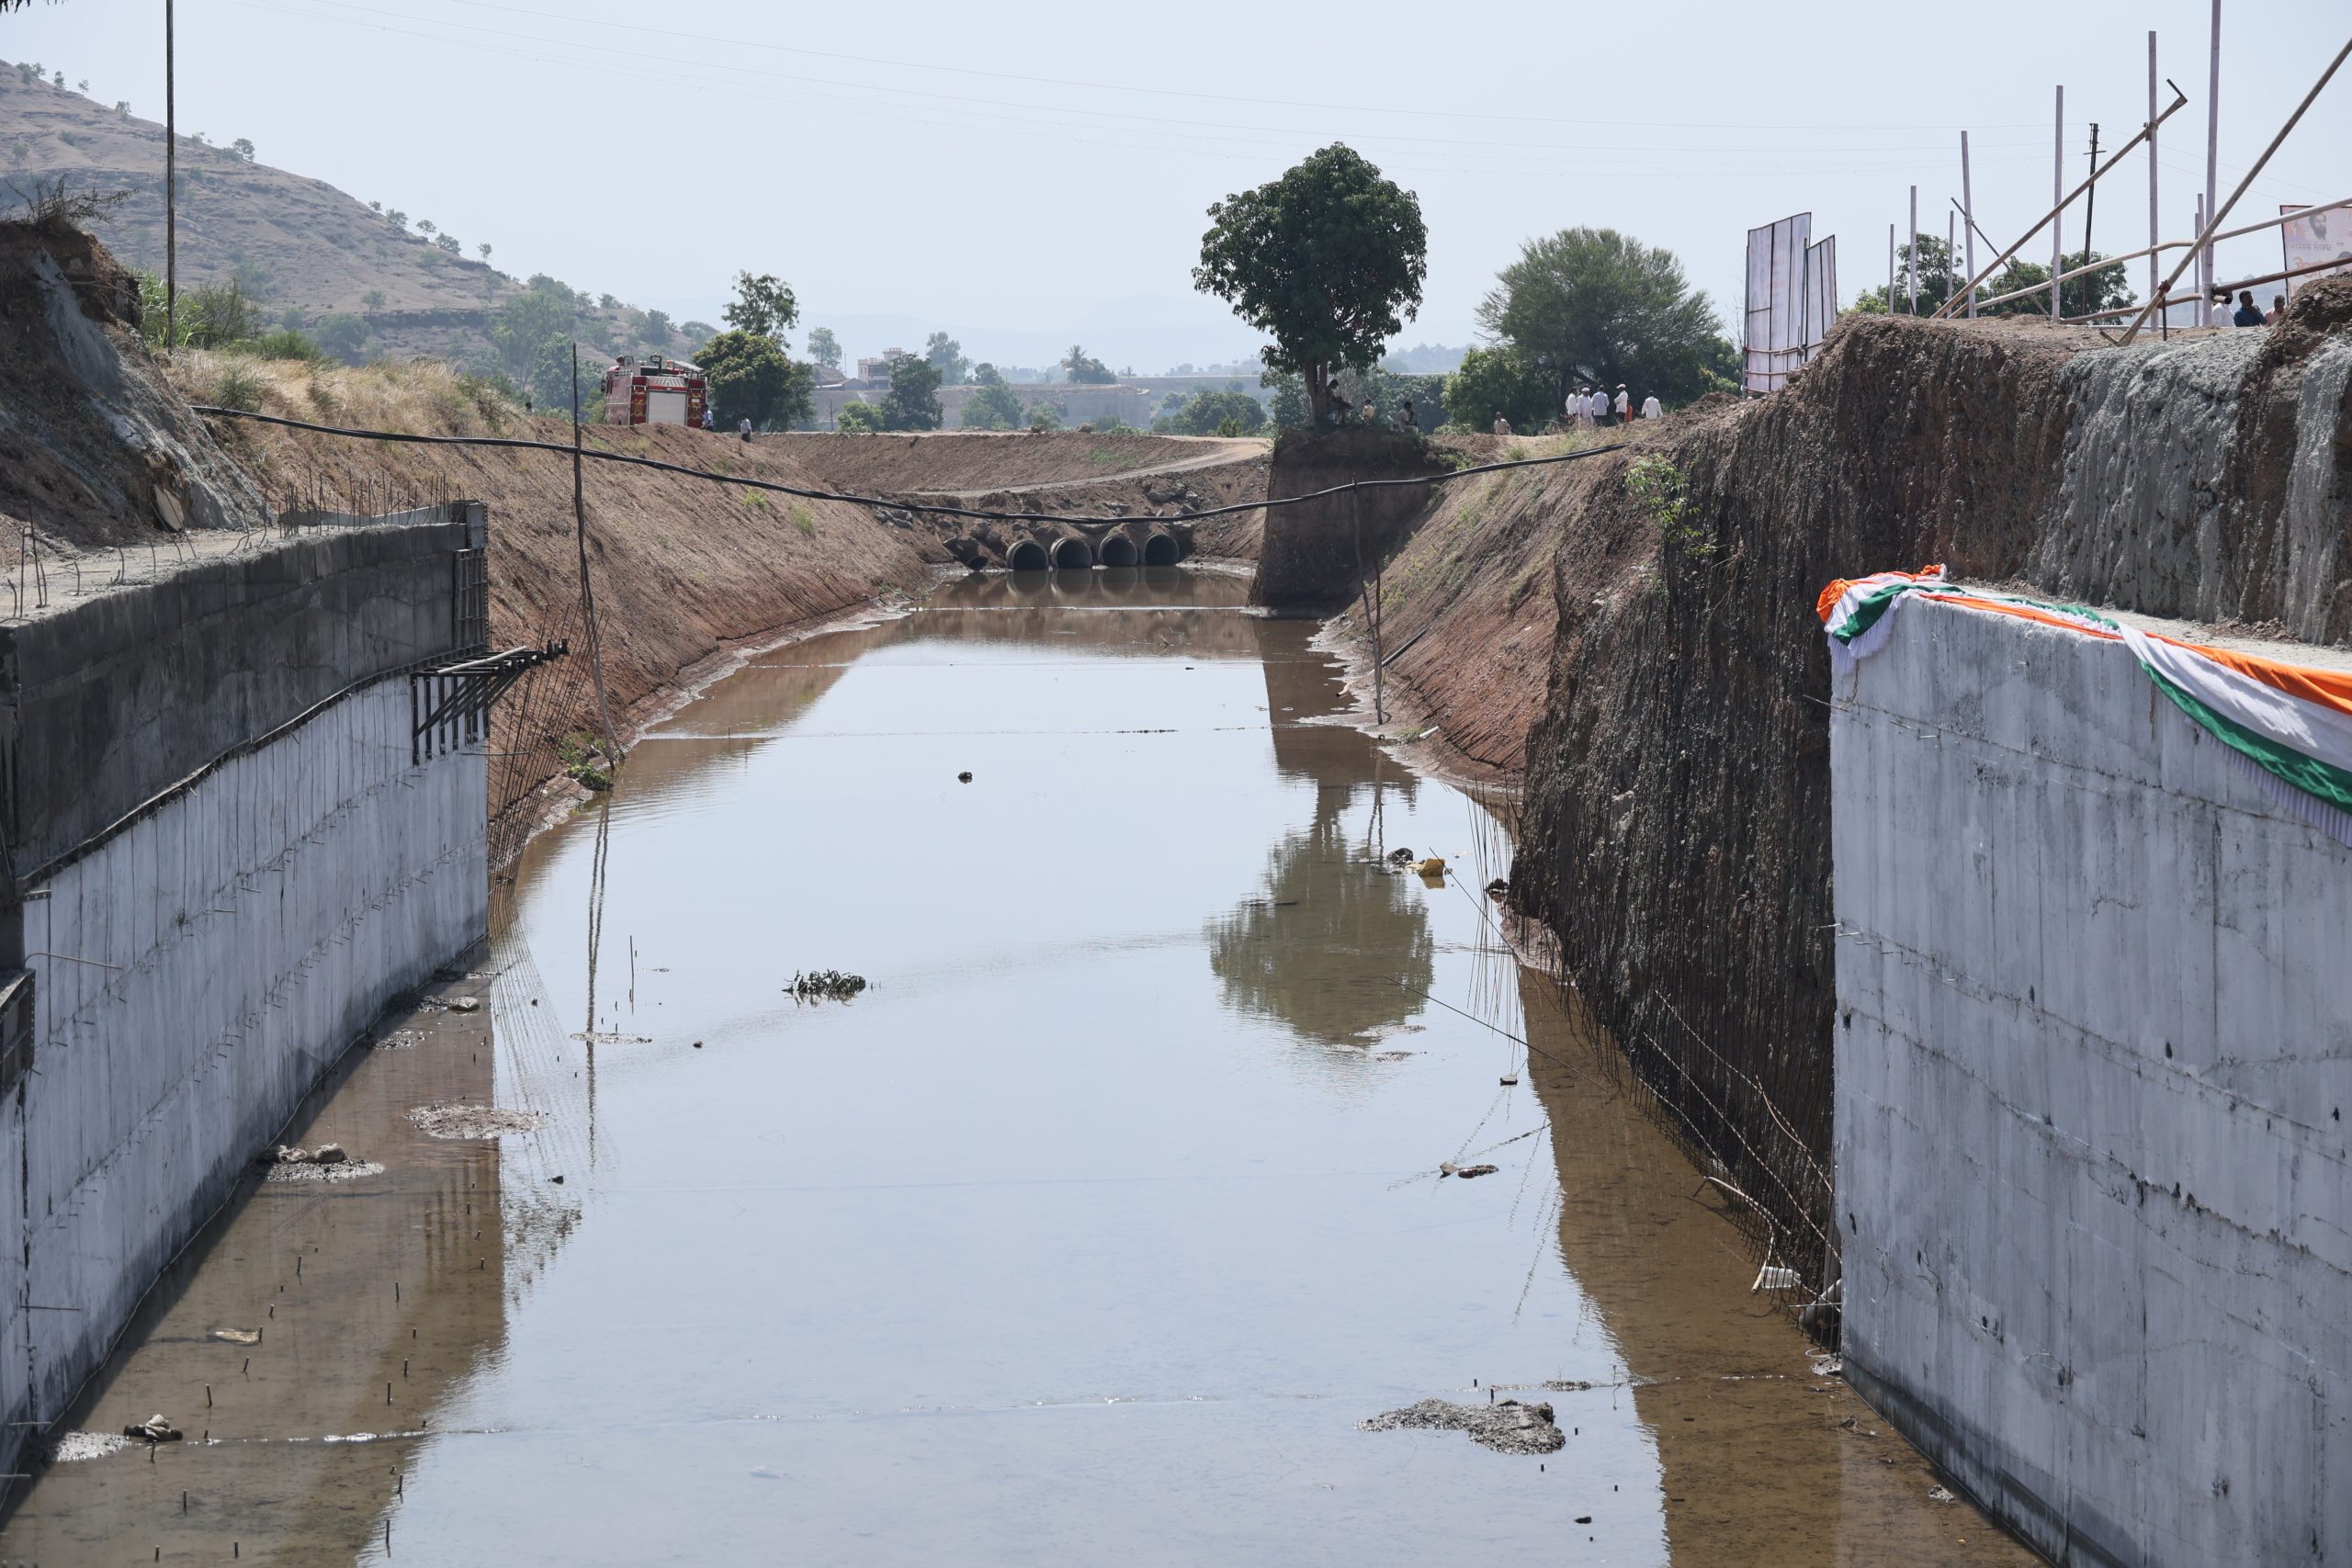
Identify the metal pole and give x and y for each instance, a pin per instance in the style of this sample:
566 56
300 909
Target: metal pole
1890 269
2213 157
171 195
2058 199
1967 206
2091 214
2155 238
588 610
1914 250
1952 247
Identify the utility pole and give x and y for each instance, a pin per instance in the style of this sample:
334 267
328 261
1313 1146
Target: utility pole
1914 250
171 196
2155 238
2090 210
1968 216
1890 269
2058 199
2206 274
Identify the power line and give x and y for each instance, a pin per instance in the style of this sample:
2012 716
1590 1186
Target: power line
1270 505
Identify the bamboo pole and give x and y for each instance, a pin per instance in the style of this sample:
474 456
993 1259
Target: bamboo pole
2212 153
2057 186
2179 101
2211 225
1967 213
2152 232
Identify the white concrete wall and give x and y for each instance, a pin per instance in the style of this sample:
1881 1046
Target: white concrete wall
2094 1054
202 969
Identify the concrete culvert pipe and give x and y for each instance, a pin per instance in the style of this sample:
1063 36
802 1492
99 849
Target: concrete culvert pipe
1118 551
1159 550
1073 554
1027 555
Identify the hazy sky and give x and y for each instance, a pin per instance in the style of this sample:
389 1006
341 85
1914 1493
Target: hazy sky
1033 172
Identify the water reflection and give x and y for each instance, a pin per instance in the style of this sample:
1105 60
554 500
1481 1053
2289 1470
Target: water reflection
1333 941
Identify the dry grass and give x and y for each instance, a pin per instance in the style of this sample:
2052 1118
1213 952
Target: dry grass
422 396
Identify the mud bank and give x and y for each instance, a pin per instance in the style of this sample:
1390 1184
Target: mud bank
1669 696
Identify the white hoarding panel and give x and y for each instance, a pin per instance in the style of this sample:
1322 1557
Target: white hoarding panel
1820 293
1774 335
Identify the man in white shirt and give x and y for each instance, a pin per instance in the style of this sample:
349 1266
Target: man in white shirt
1624 404
1600 405
1650 409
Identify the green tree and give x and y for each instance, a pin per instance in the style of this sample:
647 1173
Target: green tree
2109 288
994 407
1501 380
396 218
217 314
860 419
1045 415
764 305
242 148
450 243
1210 414
749 377
1593 305
543 314
1328 260
912 401
987 375
551 380
657 328
824 348
1939 277
343 335
373 300
1085 370
424 226
1288 407
946 356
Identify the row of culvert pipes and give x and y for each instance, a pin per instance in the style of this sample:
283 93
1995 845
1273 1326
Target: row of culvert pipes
1071 550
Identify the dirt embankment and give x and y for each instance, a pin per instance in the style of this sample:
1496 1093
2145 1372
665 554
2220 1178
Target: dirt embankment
1675 826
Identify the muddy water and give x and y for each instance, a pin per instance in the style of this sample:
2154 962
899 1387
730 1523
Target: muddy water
1090 1232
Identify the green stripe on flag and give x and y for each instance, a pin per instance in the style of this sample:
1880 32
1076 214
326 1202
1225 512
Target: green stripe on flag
1866 614
2321 780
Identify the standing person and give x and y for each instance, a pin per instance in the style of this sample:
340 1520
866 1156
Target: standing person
744 426
1600 405
1650 409
2277 308
1624 405
2249 315
1372 413
2218 314
709 419
1405 418
1502 425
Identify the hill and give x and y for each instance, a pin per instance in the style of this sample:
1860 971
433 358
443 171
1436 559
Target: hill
301 247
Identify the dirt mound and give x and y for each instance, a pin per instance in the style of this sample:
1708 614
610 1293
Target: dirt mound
95 448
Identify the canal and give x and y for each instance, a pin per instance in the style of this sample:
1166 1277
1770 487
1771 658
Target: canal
1094 1229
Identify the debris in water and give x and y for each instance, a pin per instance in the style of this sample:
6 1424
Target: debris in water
1433 866
826 985
342 1170
465 1004
1826 1365
1498 888
1939 1495
1390 1056
963 777
1468 1171
75 1446
1509 1427
474 1120
236 1336
328 1154
1510 1080
154 1429
1400 855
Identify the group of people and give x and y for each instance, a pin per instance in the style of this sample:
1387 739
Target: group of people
2248 314
1588 408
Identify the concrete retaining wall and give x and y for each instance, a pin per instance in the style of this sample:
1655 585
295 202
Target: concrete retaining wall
2094 1053
199 963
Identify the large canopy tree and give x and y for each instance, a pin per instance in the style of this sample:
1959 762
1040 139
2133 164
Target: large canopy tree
1328 261
1595 307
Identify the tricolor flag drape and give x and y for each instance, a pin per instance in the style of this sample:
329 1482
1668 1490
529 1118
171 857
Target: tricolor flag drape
2290 725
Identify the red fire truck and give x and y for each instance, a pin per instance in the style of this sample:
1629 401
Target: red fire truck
653 390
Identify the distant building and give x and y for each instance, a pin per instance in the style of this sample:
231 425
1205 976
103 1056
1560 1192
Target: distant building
877 372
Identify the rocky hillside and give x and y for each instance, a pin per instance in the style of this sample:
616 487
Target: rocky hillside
298 245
